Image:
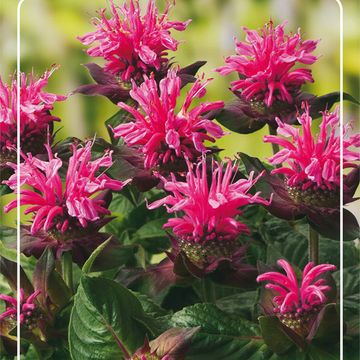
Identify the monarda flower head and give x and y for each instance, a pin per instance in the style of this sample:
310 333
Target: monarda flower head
132 44
162 134
206 226
36 121
27 308
64 211
266 64
298 304
312 169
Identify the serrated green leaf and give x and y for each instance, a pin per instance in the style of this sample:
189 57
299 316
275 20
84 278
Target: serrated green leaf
213 320
107 321
221 336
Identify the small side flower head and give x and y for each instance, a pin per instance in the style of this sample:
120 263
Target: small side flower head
36 121
161 133
27 308
312 162
133 44
266 63
298 304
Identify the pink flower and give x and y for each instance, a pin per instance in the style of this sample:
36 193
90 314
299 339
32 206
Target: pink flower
208 209
35 107
313 161
265 63
132 44
59 207
161 133
297 298
27 306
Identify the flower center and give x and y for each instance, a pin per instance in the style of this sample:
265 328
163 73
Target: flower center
206 251
299 320
313 196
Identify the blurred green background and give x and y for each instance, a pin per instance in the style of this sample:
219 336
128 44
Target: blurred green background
48 36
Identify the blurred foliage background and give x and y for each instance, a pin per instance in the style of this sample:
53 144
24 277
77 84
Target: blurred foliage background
48 36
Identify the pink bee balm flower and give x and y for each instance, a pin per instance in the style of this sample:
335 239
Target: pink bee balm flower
35 107
27 307
63 207
298 298
313 161
208 208
265 63
132 44
161 133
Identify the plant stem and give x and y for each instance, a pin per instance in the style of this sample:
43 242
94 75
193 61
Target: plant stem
275 147
313 245
67 269
208 290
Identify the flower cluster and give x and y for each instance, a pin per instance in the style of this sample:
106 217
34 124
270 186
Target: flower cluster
63 208
208 207
313 161
27 307
132 44
162 134
35 118
265 63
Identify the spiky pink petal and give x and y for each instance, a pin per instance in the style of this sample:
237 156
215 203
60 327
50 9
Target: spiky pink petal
294 297
208 208
27 306
265 62
313 161
133 44
54 203
163 134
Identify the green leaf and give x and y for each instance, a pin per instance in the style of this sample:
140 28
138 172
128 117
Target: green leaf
291 242
90 261
9 270
8 243
241 304
121 117
107 321
152 236
44 267
4 189
221 336
213 320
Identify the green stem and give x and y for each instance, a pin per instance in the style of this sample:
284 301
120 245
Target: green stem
208 290
275 147
68 270
313 245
